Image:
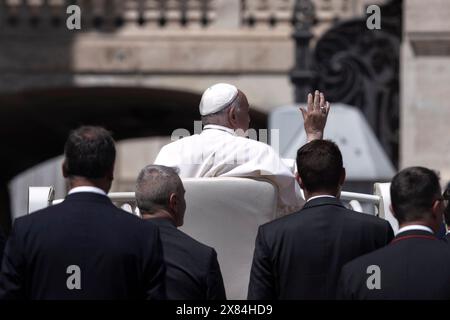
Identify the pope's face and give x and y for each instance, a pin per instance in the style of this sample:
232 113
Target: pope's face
243 114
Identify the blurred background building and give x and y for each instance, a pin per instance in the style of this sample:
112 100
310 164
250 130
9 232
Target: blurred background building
139 67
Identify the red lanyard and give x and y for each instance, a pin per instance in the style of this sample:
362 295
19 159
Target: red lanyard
417 236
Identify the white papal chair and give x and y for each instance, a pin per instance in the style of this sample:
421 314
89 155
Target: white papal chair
382 190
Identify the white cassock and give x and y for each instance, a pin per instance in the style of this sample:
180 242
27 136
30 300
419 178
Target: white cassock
219 152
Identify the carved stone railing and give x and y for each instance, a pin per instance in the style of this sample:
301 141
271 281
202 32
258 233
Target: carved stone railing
107 14
264 12
168 14
279 12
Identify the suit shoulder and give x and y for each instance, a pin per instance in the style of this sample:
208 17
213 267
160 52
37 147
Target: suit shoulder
199 246
443 246
131 220
114 213
282 222
40 214
363 261
365 219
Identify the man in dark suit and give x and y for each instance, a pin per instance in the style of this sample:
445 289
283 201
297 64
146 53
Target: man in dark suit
85 247
300 255
416 265
193 272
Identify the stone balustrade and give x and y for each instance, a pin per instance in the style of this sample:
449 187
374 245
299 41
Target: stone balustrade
168 14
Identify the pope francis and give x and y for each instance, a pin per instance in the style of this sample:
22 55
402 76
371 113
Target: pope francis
221 149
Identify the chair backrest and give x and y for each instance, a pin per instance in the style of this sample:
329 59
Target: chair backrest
225 213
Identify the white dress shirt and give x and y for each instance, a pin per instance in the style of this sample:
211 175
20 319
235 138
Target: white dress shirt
218 152
414 227
321 196
87 189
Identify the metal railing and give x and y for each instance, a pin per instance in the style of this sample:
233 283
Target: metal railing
41 197
345 195
126 200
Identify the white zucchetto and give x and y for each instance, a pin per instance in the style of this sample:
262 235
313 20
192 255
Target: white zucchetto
217 97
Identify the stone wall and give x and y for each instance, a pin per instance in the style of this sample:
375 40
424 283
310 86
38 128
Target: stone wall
425 72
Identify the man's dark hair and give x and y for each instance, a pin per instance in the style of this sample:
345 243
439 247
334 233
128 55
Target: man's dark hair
89 152
413 191
319 164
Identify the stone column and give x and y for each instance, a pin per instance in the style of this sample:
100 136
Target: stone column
425 94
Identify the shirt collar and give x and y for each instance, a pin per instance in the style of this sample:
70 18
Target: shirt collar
320 196
87 189
414 227
221 128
